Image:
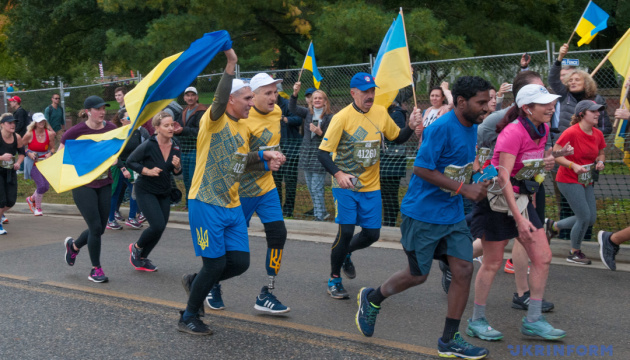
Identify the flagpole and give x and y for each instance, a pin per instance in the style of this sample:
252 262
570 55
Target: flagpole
413 88
600 64
304 63
576 25
610 52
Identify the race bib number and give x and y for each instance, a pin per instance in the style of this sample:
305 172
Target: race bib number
587 177
7 164
367 153
484 154
237 166
459 174
530 169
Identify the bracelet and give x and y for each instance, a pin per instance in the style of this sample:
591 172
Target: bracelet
459 188
600 161
570 164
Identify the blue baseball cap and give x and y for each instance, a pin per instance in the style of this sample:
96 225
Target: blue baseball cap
362 81
309 91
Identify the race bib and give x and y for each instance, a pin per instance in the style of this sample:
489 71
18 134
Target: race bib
459 174
484 154
8 164
237 166
366 153
530 169
103 176
587 177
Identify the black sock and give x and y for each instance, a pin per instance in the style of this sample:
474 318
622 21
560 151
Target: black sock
450 328
376 297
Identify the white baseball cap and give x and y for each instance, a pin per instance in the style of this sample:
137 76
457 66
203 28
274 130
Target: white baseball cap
191 89
262 79
38 117
238 84
534 94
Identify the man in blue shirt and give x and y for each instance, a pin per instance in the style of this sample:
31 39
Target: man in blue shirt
433 224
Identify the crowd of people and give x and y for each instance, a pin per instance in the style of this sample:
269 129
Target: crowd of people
234 156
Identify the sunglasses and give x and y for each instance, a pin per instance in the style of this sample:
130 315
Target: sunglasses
56 98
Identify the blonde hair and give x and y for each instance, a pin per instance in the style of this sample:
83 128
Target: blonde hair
157 119
327 109
5 115
590 87
33 124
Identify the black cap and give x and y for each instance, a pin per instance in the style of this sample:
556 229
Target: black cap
94 102
7 119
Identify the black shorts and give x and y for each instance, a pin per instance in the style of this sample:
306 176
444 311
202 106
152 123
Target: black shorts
498 226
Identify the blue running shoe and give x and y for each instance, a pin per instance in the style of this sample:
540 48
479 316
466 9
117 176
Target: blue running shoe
2 231
336 289
481 329
458 347
267 302
541 328
214 299
366 315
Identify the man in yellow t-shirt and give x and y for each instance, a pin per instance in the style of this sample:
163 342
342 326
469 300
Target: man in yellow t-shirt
355 136
217 223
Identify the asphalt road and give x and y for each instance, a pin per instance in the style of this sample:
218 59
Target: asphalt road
50 310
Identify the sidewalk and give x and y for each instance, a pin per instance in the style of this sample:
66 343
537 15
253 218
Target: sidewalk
326 231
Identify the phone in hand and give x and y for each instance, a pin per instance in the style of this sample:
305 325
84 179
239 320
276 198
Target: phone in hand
354 181
527 57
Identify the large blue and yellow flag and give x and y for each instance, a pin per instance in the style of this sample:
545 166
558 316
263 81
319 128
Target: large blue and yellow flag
311 65
86 158
593 21
392 68
619 57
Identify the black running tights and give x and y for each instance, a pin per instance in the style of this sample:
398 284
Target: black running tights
345 243
94 206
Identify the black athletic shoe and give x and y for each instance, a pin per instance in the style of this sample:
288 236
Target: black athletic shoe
348 268
193 325
446 276
71 254
607 250
522 303
187 281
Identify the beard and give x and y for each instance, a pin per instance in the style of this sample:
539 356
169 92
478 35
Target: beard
474 117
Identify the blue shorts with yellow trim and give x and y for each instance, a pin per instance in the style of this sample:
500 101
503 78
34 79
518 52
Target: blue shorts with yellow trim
358 208
267 207
216 230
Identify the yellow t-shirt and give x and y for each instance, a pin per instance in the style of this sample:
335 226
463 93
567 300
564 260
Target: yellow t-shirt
355 143
222 147
264 134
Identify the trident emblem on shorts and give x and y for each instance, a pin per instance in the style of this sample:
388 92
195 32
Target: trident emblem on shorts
202 238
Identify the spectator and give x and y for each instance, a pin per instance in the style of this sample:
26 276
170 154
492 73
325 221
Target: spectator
56 117
496 97
441 103
10 88
308 95
20 115
290 142
316 120
40 142
119 95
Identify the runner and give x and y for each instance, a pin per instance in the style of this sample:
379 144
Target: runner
154 161
259 194
217 223
10 145
433 225
355 136
93 199
40 144
519 157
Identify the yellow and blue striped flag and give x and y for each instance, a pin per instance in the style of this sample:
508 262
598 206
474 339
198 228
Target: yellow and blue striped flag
593 21
392 68
311 65
86 158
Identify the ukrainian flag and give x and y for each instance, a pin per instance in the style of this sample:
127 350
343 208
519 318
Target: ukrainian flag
593 21
392 68
311 65
86 158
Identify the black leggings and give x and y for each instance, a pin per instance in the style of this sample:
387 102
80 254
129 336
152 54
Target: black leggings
345 243
158 208
233 263
8 187
94 206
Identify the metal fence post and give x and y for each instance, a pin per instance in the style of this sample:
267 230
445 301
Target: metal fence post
371 63
237 71
548 55
62 96
4 96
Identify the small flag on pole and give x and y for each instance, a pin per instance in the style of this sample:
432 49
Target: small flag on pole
311 65
100 69
593 21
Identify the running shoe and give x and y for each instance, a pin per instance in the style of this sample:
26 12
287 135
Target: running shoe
481 329
549 230
133 223
458 347
607 250
2 231
135 257
5 220
267 302
97 275
366 315
579 258
141 218
71 254
118 217
479 259
31 203
541 328
446 276
348 267
193 326
336 289
214 298
522 303
509 267
148 266
187 281
38 212
113 225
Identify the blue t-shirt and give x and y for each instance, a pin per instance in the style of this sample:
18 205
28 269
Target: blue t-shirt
446 142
